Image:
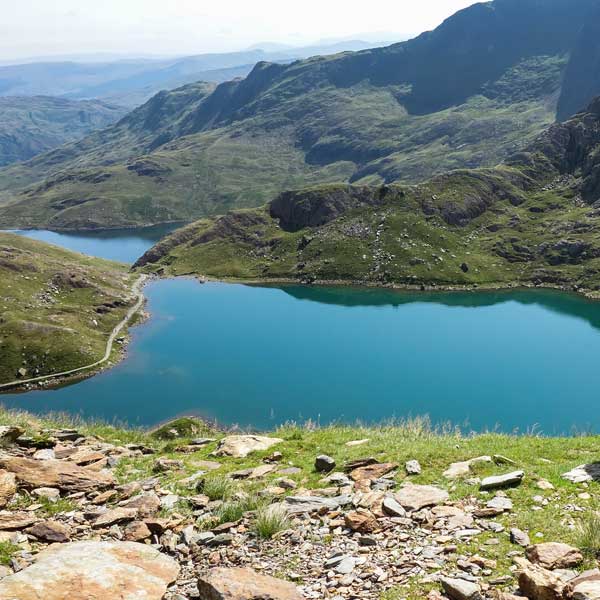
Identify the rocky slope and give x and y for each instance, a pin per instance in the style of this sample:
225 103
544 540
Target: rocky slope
468 94
187 513
533 219
57 308
34 125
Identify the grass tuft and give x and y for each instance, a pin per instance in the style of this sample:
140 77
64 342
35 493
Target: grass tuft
269 521
217 487
588 538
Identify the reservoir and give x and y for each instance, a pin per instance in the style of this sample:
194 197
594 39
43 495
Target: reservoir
258 357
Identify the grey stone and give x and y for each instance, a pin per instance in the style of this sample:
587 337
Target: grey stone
461 589
324 463
413 467
502 481
519 537
308 504
392 507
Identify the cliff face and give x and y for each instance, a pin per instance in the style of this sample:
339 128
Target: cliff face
582 76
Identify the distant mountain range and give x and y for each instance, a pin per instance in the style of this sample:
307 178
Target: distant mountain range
130 82
32 125
469 94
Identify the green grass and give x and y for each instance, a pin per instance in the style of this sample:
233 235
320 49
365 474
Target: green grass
7 550
49 324
588 538
217 487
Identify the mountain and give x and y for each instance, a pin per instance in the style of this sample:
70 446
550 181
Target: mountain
481 86
130 82
33 125
58 307
535 219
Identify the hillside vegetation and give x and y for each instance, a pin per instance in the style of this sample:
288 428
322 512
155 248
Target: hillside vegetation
57 308
533 219
31 126
481 86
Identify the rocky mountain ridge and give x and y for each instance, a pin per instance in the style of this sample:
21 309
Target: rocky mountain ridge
481 86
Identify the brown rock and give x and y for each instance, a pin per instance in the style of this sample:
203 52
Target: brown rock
239 446
537 583
244 584
361 520
8 487
117 515
14 520
93 570
147 504
85 456
50 531
552 555
64 475
9 434
137 531
374 471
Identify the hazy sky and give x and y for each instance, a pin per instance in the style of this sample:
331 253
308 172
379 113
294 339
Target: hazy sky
46 27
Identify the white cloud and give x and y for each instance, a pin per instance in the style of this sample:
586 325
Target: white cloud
34 27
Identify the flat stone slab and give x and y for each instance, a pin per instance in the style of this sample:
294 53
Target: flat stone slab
502 481
415 497
308 504
123 570
239 446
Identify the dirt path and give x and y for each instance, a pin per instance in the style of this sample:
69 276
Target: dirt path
109 343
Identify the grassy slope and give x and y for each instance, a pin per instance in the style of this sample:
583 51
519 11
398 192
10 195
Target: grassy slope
529 220
46 323
540 458
362 118
30 126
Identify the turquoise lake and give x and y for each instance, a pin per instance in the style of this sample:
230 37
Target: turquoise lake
261 356
124 245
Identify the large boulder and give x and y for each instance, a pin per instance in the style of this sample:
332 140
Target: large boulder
61 474
86 570
239 446
552 555
244 584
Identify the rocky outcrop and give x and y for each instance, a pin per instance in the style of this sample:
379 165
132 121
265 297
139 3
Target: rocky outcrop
296 210
59 474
